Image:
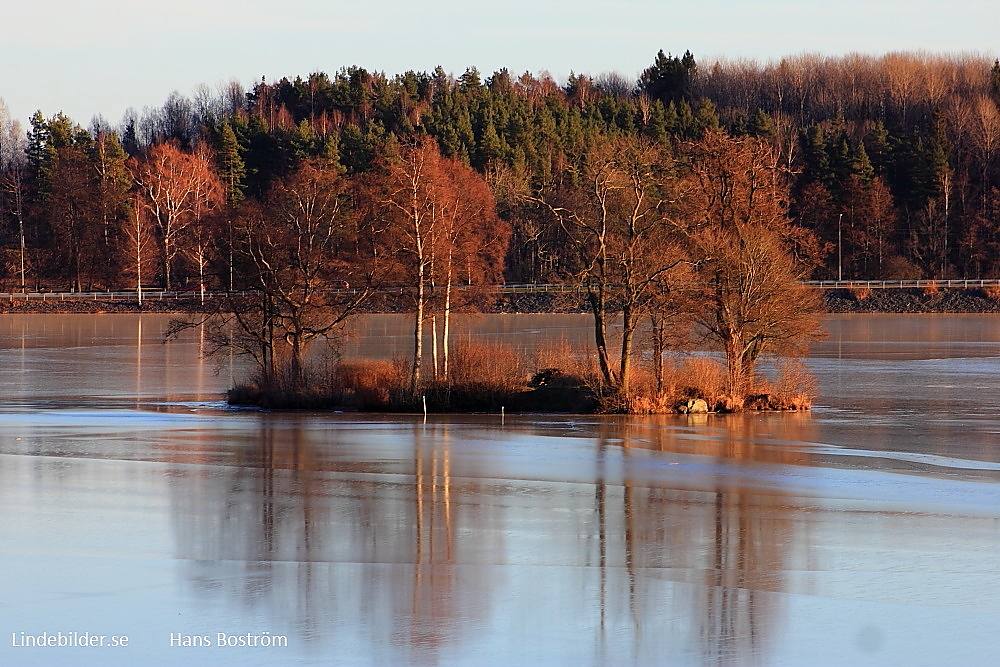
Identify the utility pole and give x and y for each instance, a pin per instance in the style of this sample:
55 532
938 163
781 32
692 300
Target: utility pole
840 250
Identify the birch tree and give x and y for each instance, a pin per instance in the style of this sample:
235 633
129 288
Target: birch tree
470 240
176 186
12 183
140 245
406 193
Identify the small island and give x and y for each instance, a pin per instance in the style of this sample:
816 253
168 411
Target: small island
659 271
685 210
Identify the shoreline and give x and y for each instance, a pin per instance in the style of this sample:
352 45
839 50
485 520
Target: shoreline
88 307
838 301
915 301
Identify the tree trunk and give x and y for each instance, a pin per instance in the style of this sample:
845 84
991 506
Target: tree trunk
166 266
268 342
20 227
597 306
418 333
447 320
295 363
625 364
201 272
736 367
656 326
434 345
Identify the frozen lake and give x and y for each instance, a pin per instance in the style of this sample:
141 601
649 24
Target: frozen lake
134 504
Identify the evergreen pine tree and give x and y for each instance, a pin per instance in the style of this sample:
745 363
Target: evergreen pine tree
861 165
669 78
878 147
840 162
656 126
739 126
686 126
489 147
356 149
232 168
671 120
706 117
814 155
39 148
761 125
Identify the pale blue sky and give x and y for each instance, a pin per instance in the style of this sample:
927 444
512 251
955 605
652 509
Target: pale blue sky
102 56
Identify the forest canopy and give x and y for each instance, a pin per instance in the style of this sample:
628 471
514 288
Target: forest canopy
891 165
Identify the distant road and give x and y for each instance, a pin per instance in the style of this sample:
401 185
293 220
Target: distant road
958 283
536 288
962 283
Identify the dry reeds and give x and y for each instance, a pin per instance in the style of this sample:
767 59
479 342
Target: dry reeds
681 381
702 378
576 361
369 384
794 388
497 364
485 377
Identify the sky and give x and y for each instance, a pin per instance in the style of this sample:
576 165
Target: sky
103 56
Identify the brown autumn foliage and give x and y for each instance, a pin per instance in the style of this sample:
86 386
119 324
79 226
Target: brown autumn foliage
753 302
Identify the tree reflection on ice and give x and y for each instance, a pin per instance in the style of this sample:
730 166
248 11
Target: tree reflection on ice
418 533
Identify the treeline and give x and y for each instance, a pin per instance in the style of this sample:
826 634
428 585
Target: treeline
892 160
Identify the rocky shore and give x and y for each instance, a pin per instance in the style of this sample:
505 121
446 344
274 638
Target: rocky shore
912 301
944 300
89 306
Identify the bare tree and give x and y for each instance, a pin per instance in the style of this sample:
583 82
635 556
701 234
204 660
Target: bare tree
407 195
754 302
176 186
140 244
985 131
299 242
12 182
616 211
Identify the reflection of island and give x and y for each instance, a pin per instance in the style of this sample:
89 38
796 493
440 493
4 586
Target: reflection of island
714 547
333 544
404 541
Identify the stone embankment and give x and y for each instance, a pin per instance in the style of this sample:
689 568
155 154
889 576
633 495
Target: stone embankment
912 301
944 300
89 306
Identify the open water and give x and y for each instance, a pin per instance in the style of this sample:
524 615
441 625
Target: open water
134 504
